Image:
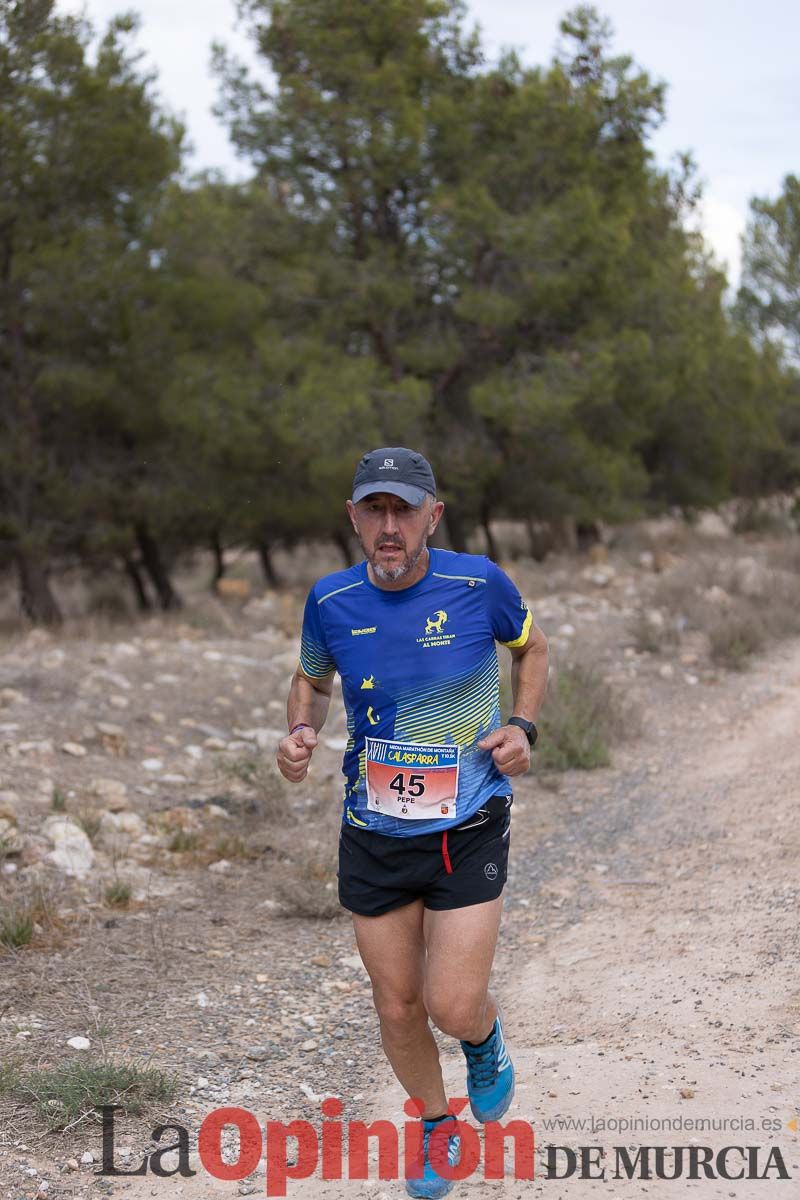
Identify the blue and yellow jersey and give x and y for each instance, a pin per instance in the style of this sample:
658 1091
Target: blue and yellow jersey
417 665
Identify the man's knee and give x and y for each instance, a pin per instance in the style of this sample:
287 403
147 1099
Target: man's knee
457 1015
399 1012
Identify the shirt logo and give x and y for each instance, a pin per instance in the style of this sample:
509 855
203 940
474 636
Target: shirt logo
434 631
361 632
434 624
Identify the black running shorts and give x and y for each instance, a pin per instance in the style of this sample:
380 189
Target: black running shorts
463 865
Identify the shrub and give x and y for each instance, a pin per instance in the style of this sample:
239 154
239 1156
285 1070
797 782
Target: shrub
734 638
67 1094
653 635
582 716
16 927
118 894
90 820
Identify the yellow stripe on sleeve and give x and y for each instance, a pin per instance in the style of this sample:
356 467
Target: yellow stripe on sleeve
523 637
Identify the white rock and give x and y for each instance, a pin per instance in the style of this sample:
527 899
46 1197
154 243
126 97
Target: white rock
691 680
666 671
125 650
74 748
10 841
717 596
202 1000
202 1082
711 524
195 752
40 746
129 823
220 866
153 764
9 803
87 1157
113 791
72 853
118 701
216 810
79 1043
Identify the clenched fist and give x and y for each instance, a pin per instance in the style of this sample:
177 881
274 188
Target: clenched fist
294 753
510 749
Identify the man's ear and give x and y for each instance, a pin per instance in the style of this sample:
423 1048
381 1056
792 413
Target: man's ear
351 512
437 508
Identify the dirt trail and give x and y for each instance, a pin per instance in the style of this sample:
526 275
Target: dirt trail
655 974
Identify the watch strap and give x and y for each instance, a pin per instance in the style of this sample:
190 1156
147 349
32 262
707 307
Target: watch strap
527 727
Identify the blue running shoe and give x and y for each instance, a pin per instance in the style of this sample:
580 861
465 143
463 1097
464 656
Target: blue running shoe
430 1184
490 1076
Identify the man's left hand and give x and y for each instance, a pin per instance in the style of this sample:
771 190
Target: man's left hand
510 749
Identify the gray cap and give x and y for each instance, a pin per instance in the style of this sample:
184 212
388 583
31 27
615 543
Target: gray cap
395 469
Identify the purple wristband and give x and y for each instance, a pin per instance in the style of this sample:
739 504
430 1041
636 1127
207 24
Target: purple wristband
300 725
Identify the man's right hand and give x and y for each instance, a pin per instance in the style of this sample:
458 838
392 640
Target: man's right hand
294 753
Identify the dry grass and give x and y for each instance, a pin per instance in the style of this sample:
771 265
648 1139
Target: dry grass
741 604
263 790
23 915
90 821
581 719
653 635
734 639
68 1094
118 894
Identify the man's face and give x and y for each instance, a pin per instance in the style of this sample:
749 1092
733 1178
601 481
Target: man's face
393 534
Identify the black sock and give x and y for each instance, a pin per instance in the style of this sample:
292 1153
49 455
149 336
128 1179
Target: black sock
488 1038
436 1120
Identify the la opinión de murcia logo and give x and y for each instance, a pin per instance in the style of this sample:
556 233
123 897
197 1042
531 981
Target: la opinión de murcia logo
324 1150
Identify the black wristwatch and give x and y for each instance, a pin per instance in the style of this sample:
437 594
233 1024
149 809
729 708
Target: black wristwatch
527 727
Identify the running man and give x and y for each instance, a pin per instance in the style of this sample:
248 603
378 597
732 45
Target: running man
423 847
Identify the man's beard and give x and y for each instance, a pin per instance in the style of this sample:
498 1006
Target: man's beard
392 574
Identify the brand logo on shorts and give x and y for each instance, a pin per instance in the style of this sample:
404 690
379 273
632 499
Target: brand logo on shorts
490 871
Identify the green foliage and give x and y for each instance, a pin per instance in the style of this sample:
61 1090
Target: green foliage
479 259
769 297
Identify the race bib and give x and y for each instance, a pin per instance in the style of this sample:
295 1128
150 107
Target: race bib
411 780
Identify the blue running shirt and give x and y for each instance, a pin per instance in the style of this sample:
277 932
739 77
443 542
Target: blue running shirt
418 665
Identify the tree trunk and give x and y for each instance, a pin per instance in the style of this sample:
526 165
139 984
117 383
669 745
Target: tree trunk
455 527
492 549
540 540
219 559
143 602
35 597
154 566
271 576
343 542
